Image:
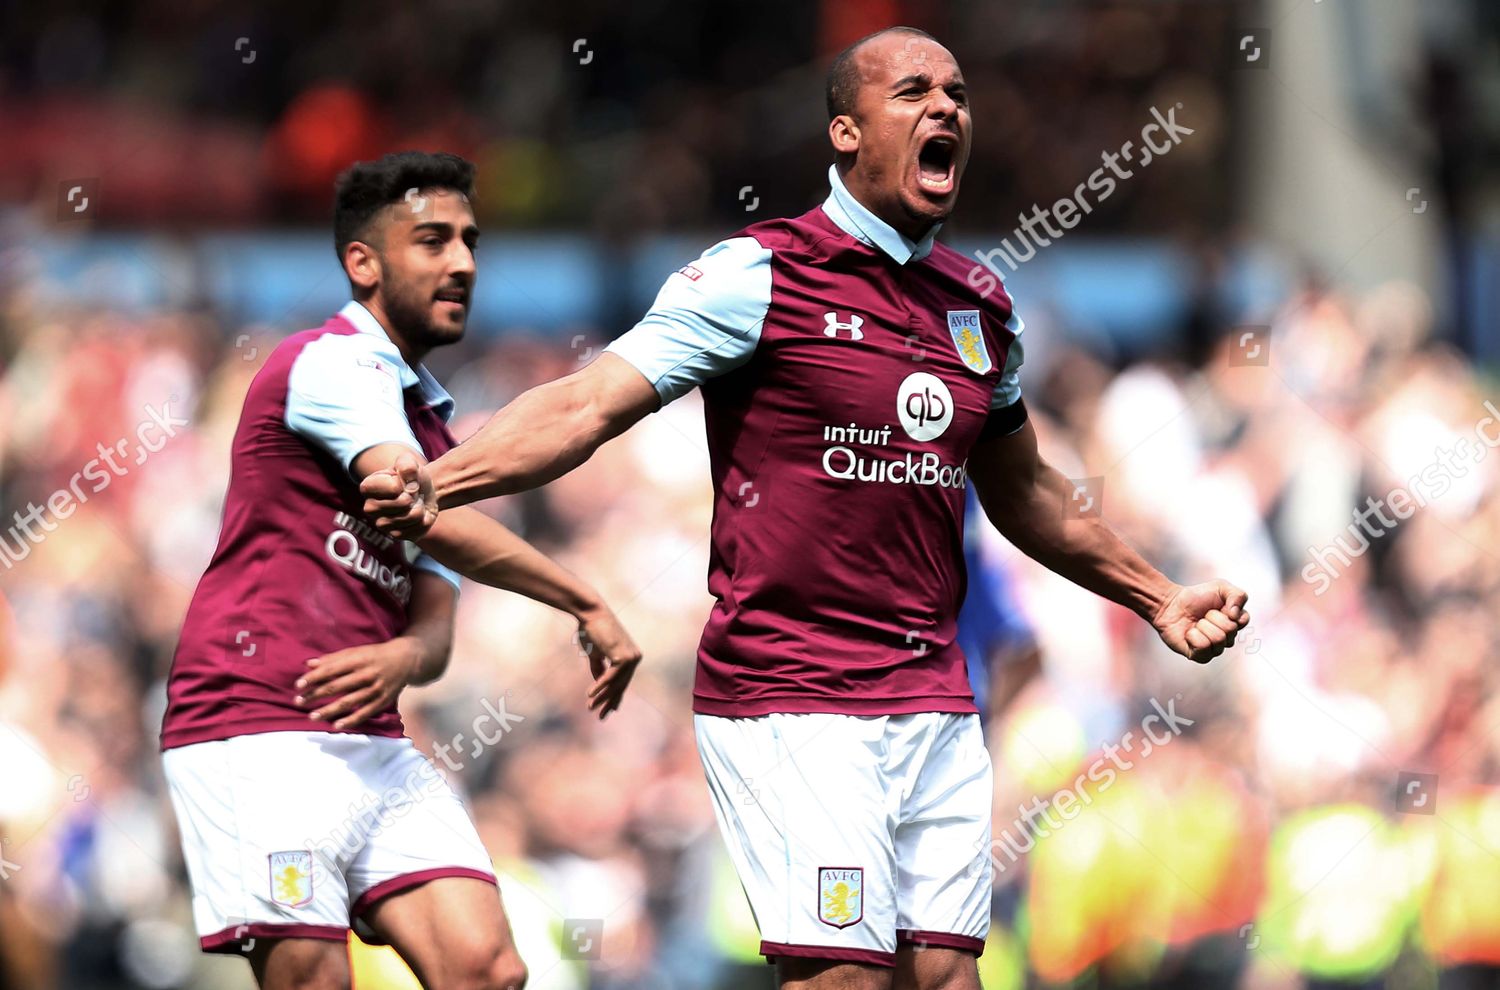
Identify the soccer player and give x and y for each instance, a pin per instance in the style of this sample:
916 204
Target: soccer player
301 804
856 378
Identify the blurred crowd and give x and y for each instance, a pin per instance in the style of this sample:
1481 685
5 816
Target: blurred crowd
1278 840
618 118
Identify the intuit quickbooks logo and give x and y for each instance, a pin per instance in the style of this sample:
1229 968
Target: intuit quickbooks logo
39 521
345 546
909 469
845 462
924 406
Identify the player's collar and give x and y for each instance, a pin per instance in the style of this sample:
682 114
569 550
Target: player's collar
433 394
858 222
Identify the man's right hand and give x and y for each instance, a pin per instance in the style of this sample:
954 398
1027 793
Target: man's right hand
400 499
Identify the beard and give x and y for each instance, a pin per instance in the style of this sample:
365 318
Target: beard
411 316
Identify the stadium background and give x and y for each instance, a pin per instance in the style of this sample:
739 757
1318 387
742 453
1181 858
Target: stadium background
1292 310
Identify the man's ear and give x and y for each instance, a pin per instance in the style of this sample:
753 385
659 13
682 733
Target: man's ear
844 133
362 265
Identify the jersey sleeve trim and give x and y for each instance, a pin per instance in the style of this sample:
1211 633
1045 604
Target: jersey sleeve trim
1004 421
1008 389
344 397
425 562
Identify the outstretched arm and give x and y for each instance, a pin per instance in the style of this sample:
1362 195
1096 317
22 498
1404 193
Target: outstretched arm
483 550
1029 501
543 433
706 321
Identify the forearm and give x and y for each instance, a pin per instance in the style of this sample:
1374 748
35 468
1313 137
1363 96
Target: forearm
483 550
543 434
430 626
1039 518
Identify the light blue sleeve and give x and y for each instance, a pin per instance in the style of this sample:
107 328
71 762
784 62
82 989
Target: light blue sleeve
344 397
706 320
1008 389
427 563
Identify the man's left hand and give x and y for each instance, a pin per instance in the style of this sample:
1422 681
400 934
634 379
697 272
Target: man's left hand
1200 621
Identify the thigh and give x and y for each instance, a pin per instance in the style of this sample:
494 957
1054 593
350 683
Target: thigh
819 974
808 820
252 812
942 844
927 967
300 964
451 931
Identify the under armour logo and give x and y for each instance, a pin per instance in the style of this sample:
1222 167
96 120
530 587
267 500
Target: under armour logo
853 326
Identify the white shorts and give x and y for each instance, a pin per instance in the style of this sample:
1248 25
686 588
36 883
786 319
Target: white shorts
853 834
293 834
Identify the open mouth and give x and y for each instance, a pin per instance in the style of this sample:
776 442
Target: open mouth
935 162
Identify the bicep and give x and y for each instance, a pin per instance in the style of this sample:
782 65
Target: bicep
433 598
620 393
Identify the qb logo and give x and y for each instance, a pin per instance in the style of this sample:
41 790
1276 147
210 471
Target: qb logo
924 405
853 326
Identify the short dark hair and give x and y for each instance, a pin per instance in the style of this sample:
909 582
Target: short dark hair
365 188
843 74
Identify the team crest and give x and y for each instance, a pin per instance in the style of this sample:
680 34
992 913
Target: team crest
968 338
291 877
841 895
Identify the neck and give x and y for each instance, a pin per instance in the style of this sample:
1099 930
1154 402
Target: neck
909 227
410 353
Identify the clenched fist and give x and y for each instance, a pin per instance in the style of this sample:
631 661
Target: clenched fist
1200 620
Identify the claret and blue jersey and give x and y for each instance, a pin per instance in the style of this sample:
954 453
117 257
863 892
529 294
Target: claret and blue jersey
847 373
299 571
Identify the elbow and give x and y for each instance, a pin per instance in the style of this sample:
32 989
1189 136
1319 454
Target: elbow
589 421
438 544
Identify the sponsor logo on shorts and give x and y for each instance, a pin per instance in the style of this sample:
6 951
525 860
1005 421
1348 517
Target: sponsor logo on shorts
291 877
841 895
